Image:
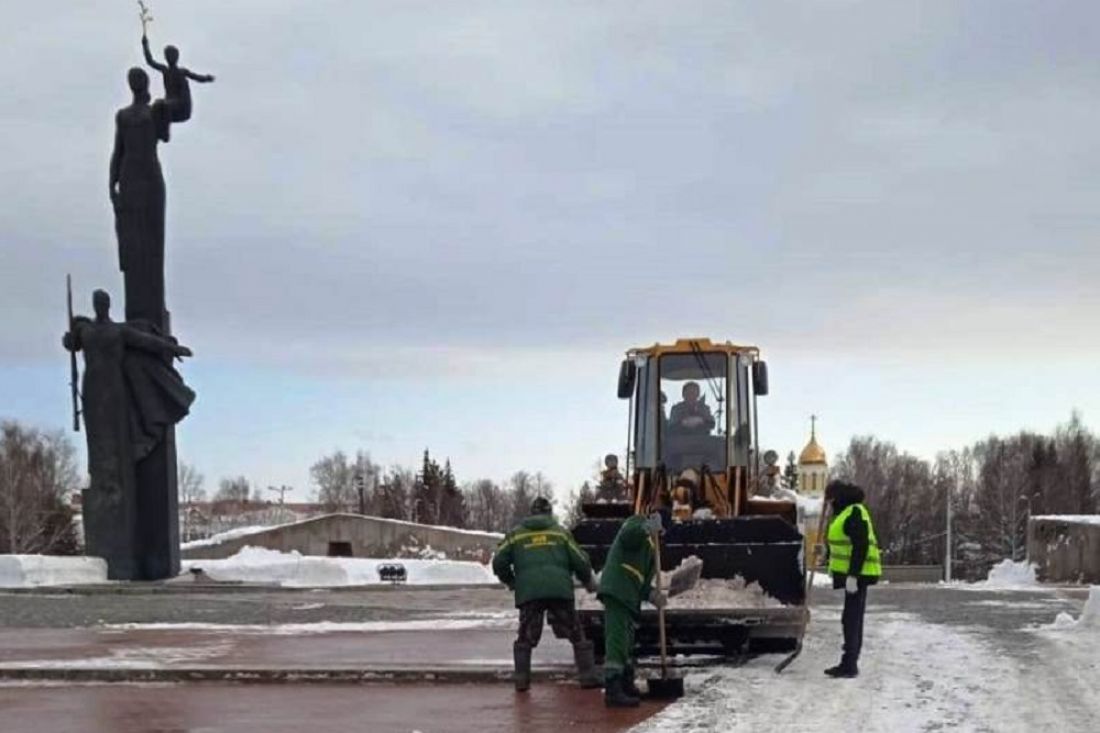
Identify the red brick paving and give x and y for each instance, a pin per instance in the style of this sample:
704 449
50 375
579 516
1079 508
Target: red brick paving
209 708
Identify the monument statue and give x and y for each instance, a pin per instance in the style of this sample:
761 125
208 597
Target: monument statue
131 397
137 194
177 89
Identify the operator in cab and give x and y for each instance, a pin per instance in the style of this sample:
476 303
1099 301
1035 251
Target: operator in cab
854 564
538 560
691 416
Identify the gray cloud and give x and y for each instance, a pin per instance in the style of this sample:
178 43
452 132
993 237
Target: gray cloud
386 186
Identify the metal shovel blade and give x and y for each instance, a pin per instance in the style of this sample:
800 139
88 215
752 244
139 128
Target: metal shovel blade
666 688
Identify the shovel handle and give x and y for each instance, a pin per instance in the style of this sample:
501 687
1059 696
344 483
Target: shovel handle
661 609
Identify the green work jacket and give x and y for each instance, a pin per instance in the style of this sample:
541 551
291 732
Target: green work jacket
538 560
628 573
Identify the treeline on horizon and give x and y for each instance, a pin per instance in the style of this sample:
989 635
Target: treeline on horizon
994 485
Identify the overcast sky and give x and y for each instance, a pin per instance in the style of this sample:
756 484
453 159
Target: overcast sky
402 224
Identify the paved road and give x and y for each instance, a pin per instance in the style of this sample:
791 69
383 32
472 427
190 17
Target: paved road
54 628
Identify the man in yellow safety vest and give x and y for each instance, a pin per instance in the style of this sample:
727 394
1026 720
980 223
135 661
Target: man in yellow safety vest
854 564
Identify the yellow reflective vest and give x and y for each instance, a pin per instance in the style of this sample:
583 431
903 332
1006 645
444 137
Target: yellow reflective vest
840 546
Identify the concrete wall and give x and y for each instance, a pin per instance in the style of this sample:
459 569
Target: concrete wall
912 573
367 537
1064 550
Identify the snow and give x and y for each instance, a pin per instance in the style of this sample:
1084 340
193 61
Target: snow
26 571
292 569
155 657
502 620
724 593
708 593
916 676
231 534
1008 574
239 532
1088 621
1071 518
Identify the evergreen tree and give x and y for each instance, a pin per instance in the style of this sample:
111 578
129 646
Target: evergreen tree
428 492
790 473
453 505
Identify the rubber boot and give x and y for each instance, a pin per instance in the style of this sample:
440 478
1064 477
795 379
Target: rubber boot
629 686
614 696
584 654
521 654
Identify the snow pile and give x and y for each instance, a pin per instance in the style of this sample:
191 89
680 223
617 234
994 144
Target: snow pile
1089 619
1090 616
230 534
1009 574
261 565
724 593
26 571
716 593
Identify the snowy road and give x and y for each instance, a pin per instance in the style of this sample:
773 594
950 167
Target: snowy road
917 674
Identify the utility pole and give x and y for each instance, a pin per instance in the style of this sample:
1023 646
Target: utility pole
947 553
281 491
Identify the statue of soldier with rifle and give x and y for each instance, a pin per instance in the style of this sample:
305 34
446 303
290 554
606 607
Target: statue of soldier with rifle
131 395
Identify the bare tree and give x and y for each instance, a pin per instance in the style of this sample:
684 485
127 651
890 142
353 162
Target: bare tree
236 489
488 506
335 477
37 474
190 483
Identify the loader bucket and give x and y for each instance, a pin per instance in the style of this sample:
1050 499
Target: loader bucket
761 549
764 549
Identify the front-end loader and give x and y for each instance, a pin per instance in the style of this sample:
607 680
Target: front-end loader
699 463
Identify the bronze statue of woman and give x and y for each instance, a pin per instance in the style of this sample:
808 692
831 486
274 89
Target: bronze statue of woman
136 189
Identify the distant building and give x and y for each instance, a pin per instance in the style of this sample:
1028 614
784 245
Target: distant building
813 466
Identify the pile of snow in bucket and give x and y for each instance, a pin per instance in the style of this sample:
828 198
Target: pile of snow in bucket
708 593
1009 574
261 565
1089 619
29 571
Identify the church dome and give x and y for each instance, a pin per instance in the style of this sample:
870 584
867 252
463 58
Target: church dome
813 454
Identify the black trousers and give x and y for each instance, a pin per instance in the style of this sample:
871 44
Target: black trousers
563 619
855 605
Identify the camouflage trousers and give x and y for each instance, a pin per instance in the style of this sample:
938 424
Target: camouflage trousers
561 614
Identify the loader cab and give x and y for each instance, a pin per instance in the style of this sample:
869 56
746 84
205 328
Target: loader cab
693 405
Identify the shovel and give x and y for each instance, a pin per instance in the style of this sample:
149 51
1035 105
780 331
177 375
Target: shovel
667 687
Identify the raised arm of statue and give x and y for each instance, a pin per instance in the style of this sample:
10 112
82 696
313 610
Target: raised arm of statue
149 56
202 78
156 344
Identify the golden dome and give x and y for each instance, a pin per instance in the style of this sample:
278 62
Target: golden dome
813 453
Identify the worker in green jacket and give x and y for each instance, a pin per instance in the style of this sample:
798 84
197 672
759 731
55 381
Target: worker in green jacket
854 564
538 560
627 580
